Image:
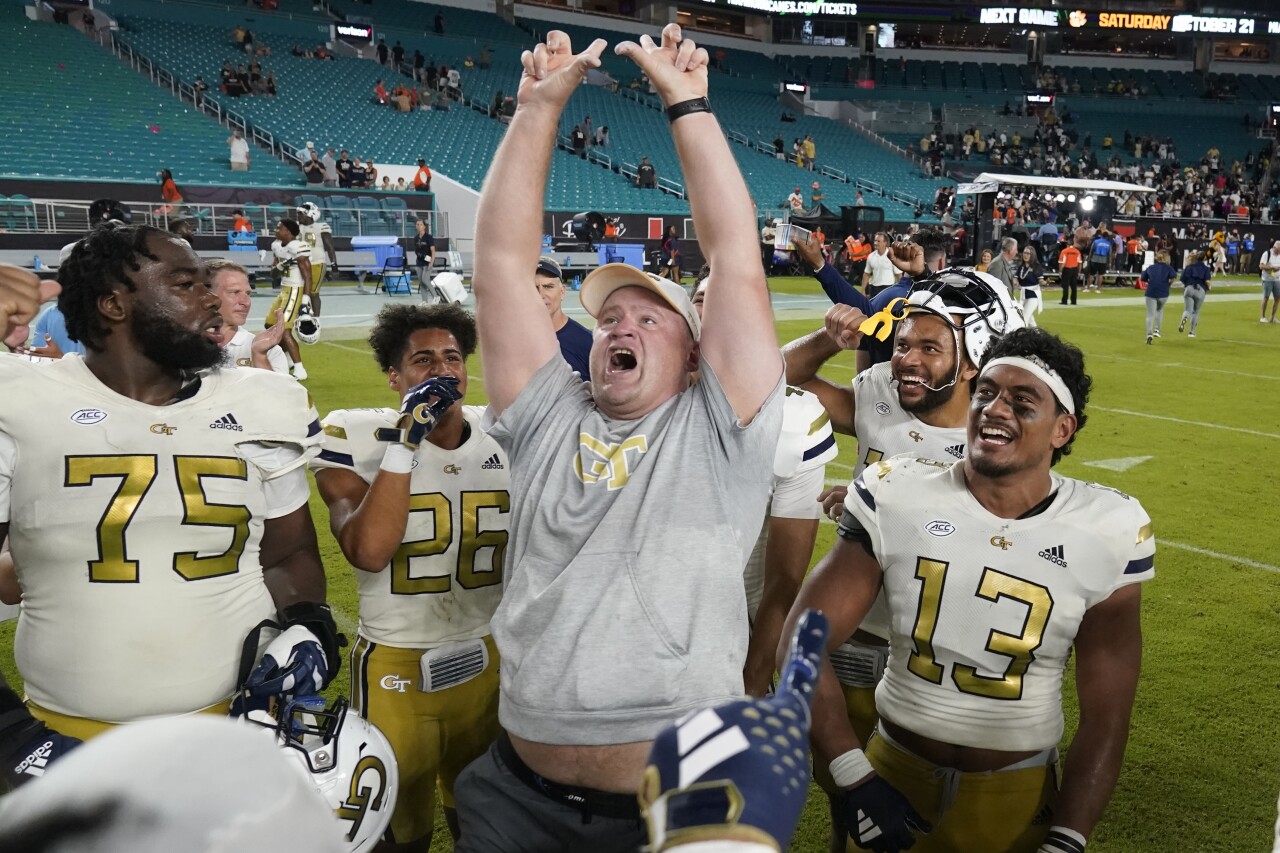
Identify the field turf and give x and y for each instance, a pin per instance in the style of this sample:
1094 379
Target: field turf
1194 424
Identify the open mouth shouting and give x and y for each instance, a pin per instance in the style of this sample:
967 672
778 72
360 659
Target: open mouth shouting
621 360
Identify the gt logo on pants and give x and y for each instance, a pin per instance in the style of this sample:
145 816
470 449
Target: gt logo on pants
394 682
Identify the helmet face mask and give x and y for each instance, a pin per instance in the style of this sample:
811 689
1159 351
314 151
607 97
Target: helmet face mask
310 210
348 760
972 303
307 327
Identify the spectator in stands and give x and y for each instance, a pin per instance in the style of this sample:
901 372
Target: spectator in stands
199 87
182 229
815 196
397 55
330 164
984 261
381 51
401 100
810 152
422 178
168 191
646 175
247 44
795 201
313 169
239 148
419 64
238 221
380 93
439 23
270 84
359 175
780 147
602 136
343 168
237 35
371 172
401 186
454 87
858 200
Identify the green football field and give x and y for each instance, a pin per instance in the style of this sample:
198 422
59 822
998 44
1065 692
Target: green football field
1189 427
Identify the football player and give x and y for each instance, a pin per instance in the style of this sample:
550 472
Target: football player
230 282
292 259
154 503
319 237
917 402
423 519
995 571
778 562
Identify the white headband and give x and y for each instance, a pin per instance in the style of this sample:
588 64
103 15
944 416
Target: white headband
1037 368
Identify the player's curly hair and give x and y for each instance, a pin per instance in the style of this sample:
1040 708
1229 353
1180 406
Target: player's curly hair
1066 360
395 323
100 261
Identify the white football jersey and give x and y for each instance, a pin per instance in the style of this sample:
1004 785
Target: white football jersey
884 429
287 255
805 446
985 610
240 352
135 530
445 581
311 235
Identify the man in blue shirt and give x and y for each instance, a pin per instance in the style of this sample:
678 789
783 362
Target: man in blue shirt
1099 259
49 336
574 338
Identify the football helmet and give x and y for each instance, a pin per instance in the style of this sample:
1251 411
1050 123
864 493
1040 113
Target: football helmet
348 760
975 303
311 209
307 327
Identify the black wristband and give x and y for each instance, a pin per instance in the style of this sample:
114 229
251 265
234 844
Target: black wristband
318 619
684 108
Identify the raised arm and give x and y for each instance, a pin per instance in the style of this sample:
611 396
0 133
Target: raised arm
805 356
738 337
516 337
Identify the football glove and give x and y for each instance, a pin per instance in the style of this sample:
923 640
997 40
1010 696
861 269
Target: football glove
293 665
880 818
421 411
28 747
740 771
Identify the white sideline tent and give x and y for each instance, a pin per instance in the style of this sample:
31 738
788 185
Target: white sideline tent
989 182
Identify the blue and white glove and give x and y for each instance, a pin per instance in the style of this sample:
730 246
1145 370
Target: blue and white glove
741 771
30 746
879 817
294 664
421 410
1063 840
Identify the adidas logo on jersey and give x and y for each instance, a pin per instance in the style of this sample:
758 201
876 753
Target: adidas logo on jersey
956 450
227 421
493 463
1056 554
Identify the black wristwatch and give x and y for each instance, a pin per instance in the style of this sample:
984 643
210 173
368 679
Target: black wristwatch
684 108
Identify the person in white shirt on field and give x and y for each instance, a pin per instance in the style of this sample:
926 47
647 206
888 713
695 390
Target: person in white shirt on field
244 349
880 271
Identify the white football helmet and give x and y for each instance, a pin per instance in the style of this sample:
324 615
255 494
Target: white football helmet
975 303
311 209
307 327
348 760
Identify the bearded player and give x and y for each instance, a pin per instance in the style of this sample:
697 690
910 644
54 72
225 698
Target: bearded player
917 402
418 501
996 571
157 505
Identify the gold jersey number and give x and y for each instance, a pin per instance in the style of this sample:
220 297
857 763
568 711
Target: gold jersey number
472 540
1018 648
136 475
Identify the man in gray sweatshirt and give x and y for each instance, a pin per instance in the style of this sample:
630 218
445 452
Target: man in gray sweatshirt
635 499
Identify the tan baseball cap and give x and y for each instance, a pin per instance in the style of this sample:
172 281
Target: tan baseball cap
604 280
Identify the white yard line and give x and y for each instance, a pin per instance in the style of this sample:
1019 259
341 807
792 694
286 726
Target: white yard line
1187 422
1266 567
1183 366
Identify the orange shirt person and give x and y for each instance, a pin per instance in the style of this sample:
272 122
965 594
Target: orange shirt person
422 178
